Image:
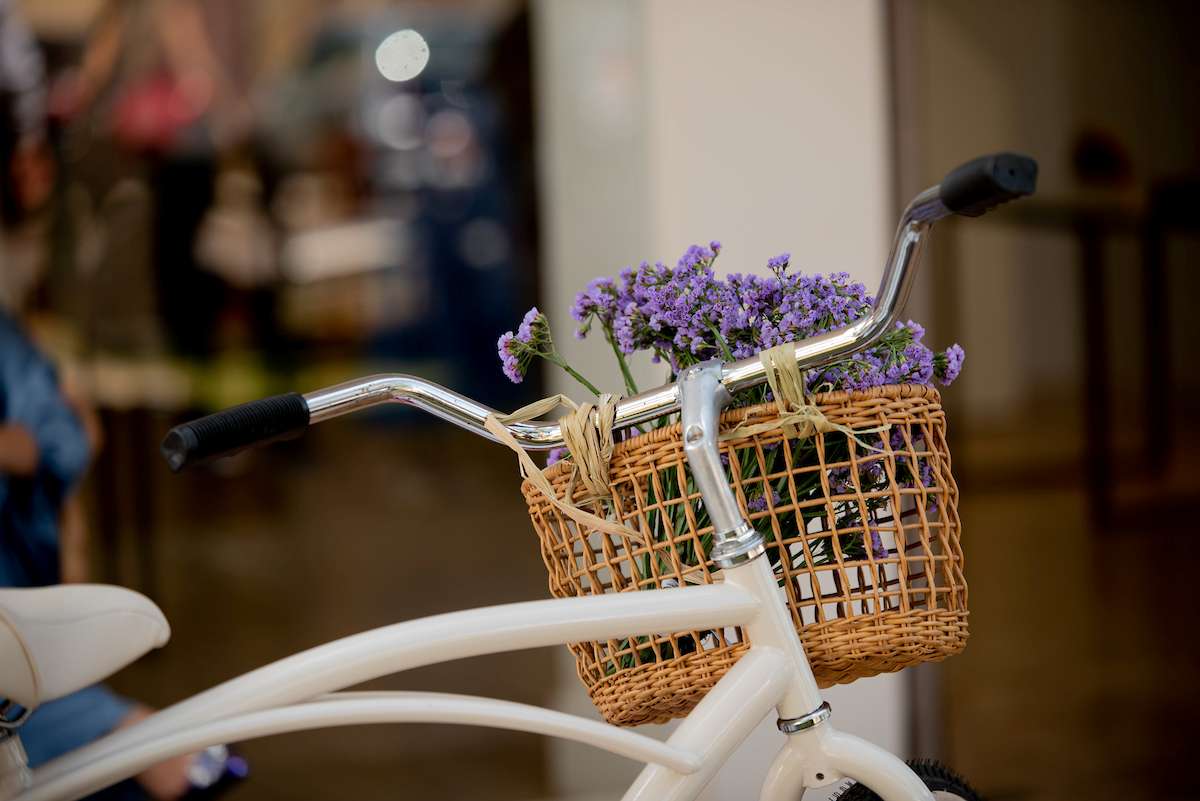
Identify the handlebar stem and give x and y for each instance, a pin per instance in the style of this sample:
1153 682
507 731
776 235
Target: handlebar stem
701 398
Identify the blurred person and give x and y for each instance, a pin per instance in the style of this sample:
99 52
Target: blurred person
151 82
25 164
24 161
46 437
45 449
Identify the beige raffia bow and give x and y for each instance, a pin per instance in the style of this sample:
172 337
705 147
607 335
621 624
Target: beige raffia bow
798 417
589 439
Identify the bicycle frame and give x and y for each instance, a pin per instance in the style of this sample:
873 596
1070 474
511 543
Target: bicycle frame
295 694
301 691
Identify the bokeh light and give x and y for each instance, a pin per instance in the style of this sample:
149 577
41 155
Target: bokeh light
402 55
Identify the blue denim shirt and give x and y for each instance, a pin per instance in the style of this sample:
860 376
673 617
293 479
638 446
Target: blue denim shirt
29 514
30 506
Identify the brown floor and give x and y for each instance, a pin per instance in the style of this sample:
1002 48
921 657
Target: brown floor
357 526
1080 679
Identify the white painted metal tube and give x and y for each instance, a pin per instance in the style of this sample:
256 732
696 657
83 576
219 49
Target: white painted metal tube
824 756
427 641
718 725
881 770
774 627
351 709
469 710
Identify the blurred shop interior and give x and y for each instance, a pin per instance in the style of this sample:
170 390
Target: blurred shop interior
236 198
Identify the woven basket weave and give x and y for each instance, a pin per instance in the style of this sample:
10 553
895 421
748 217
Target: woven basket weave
866 599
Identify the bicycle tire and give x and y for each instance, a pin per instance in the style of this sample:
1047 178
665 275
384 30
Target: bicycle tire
936 776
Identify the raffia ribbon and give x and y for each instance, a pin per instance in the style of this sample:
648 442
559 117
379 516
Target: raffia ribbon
589 437
798 416
590 441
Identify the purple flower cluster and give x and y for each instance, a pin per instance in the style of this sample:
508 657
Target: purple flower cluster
871 477
670 312
686 314
759 502
518 350
900 357
947 365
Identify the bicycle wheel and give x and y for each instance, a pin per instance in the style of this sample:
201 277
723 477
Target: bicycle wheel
945 784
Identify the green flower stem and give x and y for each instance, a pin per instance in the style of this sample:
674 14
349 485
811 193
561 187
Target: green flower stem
721 341
554 358
630 384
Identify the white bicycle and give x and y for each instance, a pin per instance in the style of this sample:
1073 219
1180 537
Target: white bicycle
56 640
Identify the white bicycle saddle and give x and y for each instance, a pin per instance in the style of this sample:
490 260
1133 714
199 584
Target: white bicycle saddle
56 640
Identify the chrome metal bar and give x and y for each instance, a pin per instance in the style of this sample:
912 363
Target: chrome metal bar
735 542
805 722
907 247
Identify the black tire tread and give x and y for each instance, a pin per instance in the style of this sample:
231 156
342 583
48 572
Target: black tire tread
935 775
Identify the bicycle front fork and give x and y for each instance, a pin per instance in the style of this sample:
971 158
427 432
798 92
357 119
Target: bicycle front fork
815 754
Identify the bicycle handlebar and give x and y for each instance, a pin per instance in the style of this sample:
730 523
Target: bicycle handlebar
970 190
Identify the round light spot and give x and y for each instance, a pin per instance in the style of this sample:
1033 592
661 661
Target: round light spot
402 56
399 122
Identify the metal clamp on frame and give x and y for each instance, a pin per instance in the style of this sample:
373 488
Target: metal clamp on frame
805 722
701 398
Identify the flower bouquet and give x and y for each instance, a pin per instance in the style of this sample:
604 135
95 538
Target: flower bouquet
858 512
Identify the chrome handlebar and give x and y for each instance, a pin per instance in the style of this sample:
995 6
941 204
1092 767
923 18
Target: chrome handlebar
363 393
970 190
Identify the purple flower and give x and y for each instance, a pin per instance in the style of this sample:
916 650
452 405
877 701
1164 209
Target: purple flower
870 477
525 330
598 301
685 314
508 359
556 455
759 502
900 357
948 365
518 350
877 549
839 481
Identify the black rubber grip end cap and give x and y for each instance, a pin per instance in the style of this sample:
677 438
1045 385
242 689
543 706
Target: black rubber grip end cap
237 428
179 442
984 183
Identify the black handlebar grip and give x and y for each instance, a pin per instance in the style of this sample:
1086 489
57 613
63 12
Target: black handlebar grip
236 428
984 183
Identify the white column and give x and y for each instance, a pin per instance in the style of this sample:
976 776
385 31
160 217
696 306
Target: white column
674 122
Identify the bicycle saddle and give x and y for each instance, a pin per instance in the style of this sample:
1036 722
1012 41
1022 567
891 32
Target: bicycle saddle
56 640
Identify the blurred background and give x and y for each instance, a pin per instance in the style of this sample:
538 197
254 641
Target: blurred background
207 201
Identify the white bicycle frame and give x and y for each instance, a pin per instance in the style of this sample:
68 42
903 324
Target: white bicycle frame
298 693
301 692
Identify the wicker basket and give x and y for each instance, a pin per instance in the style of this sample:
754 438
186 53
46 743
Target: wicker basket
873 577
